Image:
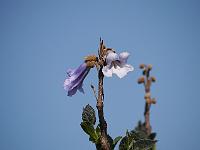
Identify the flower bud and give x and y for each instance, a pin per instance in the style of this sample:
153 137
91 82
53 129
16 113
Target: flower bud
153 101
144 72
141 80
142 66
149 66
153 79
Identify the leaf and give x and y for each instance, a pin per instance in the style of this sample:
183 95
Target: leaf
89 129
130 146
88 115
125 142
154 147
144 144
115 141
136 140
152 136
98 131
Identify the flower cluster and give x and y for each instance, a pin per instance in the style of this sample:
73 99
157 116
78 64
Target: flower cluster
114 64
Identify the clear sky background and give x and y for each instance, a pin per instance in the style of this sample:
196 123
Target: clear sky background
40 40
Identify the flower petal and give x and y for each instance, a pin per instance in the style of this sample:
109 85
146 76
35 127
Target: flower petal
111 57
107 71
123 57
70 72
123 70
75 80
80 87
72 92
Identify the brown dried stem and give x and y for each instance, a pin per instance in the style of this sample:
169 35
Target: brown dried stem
103 125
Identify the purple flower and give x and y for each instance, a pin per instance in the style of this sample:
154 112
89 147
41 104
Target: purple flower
75 78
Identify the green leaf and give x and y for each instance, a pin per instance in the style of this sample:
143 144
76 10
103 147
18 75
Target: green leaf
124 143
154 147
89 129
136 140
144 144
152 136
115 141
88 115
130 146
98 131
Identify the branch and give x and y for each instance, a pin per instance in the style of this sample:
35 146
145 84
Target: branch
103 125
147 80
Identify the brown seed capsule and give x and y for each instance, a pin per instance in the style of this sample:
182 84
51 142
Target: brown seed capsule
142 66
141 80
153 79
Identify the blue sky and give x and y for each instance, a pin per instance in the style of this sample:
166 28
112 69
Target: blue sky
40 40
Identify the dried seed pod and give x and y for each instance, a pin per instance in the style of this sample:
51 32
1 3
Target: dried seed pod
153 79
142 66
141 80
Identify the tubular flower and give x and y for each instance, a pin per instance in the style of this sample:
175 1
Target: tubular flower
117 64
75 78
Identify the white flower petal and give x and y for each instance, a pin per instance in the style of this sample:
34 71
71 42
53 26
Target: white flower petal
111 57
106 71
118 71
123 57
122 71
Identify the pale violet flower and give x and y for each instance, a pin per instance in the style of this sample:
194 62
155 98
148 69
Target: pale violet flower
75 78
117 64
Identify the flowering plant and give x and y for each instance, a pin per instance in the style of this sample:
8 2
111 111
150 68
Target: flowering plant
108 63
